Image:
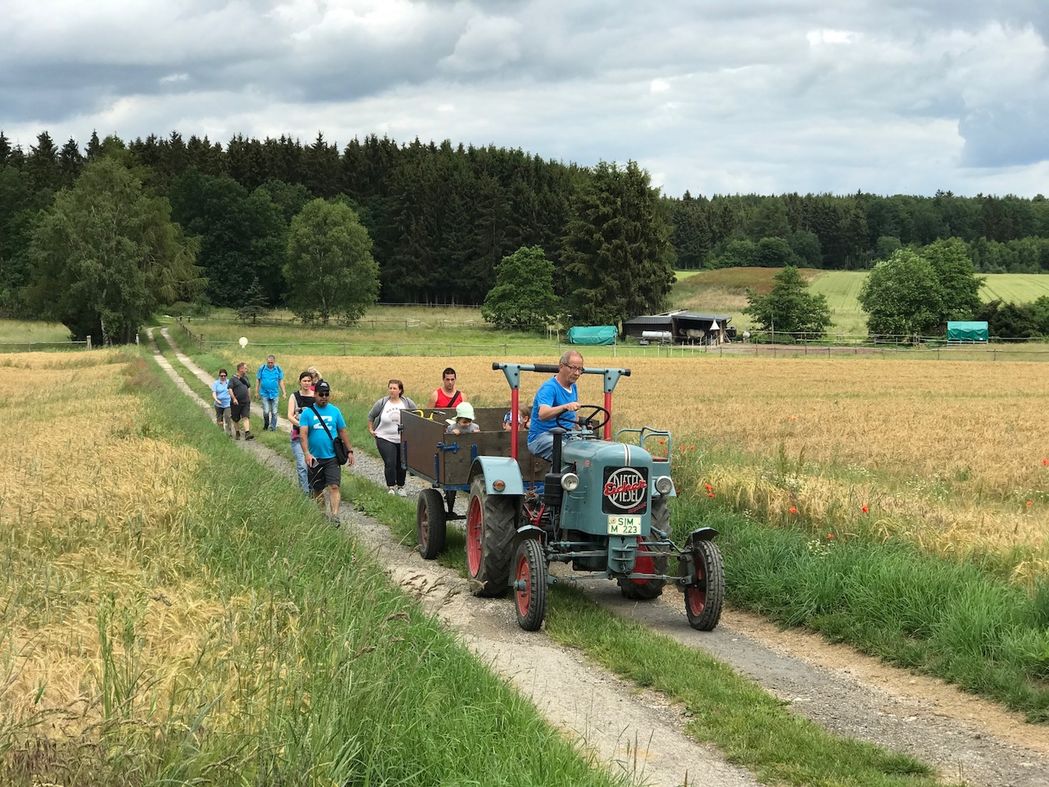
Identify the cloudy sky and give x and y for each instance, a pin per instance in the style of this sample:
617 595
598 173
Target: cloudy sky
717 96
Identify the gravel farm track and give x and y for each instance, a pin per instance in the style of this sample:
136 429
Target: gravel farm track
967 739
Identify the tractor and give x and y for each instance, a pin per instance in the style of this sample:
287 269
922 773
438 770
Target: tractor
600 506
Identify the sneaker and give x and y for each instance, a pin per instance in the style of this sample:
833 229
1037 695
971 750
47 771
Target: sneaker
334 520
401 492
391 491
249 436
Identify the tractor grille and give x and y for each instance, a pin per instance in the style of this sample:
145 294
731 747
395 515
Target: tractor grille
625 490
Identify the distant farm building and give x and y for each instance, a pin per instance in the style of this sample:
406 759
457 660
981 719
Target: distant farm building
680 327
968 332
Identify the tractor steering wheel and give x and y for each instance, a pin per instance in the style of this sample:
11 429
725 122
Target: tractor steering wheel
593 421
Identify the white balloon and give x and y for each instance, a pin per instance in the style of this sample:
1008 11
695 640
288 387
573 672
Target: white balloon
243 341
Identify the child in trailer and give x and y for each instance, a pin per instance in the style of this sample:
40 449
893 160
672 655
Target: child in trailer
524 418
463 423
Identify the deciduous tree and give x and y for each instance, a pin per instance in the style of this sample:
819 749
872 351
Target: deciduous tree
106 255
523 296
330 269
902 297
789 307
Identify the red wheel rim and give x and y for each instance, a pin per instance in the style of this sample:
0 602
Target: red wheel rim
643 564
473 537
424 528
696 595
524 585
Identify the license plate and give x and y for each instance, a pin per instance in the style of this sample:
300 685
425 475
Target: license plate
619 525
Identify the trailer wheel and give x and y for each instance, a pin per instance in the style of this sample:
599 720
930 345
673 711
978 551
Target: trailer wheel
491 522
430 524
704 597
644 589
530 584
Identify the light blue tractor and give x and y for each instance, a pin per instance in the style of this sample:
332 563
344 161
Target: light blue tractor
601 506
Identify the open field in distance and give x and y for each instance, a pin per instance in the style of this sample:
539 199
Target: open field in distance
724 290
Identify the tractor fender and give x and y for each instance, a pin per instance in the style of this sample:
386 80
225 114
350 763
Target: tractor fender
528 532
498 468
700 534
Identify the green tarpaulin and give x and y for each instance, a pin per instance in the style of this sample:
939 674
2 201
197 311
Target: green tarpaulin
966 331
592 334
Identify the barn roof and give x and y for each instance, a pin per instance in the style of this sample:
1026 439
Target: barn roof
667 318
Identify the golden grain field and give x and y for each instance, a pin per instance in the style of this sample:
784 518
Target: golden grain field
953 455
102 603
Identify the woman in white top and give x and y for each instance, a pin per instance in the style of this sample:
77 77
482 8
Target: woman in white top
384 423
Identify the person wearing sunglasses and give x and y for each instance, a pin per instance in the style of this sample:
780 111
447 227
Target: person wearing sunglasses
221 394
318 425
558 396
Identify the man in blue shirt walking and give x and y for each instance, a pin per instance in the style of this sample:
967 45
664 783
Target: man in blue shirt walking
318 447
270 380
555 397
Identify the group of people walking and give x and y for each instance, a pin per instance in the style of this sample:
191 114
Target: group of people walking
318 427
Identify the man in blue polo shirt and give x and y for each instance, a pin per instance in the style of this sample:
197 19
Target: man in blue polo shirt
318 448
271 387
555 397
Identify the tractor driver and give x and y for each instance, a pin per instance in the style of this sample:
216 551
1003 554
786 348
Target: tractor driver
556 396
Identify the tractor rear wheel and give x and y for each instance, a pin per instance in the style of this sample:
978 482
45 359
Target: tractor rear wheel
644 589
430 524
491 522
704 597
530 584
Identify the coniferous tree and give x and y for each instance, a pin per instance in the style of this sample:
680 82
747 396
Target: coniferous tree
615 252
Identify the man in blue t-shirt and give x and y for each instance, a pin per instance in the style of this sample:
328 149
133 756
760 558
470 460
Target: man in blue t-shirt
556 396
318 447
270 379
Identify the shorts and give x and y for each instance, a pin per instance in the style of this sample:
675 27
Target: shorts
238 411
324 473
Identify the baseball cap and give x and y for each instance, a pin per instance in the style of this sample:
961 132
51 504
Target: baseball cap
322 387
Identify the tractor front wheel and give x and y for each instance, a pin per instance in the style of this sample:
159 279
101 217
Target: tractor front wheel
491 521
704 597
530 584
430 523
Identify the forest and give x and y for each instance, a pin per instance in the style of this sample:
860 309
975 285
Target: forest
442 216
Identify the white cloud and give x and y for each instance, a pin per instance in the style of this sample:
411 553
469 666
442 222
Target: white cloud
770 95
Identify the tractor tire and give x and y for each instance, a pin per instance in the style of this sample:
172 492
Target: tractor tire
430 523
491 522
704 598
530 571
648 589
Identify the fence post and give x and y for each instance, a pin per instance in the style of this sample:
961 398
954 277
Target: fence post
89 341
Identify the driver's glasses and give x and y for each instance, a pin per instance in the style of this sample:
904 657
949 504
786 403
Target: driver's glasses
576 369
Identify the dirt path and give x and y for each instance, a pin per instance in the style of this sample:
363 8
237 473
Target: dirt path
966 738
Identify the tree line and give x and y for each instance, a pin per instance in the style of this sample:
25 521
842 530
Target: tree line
1005 234
438 220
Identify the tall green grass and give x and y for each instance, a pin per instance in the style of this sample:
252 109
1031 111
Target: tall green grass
961 621
323 672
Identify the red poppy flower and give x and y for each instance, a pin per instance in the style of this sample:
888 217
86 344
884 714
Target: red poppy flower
793 509
708 487
1045 461
1030 503
864 509
831 536
710 495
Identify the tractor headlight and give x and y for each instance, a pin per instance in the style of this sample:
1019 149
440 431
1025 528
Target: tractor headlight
570 482
664 485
